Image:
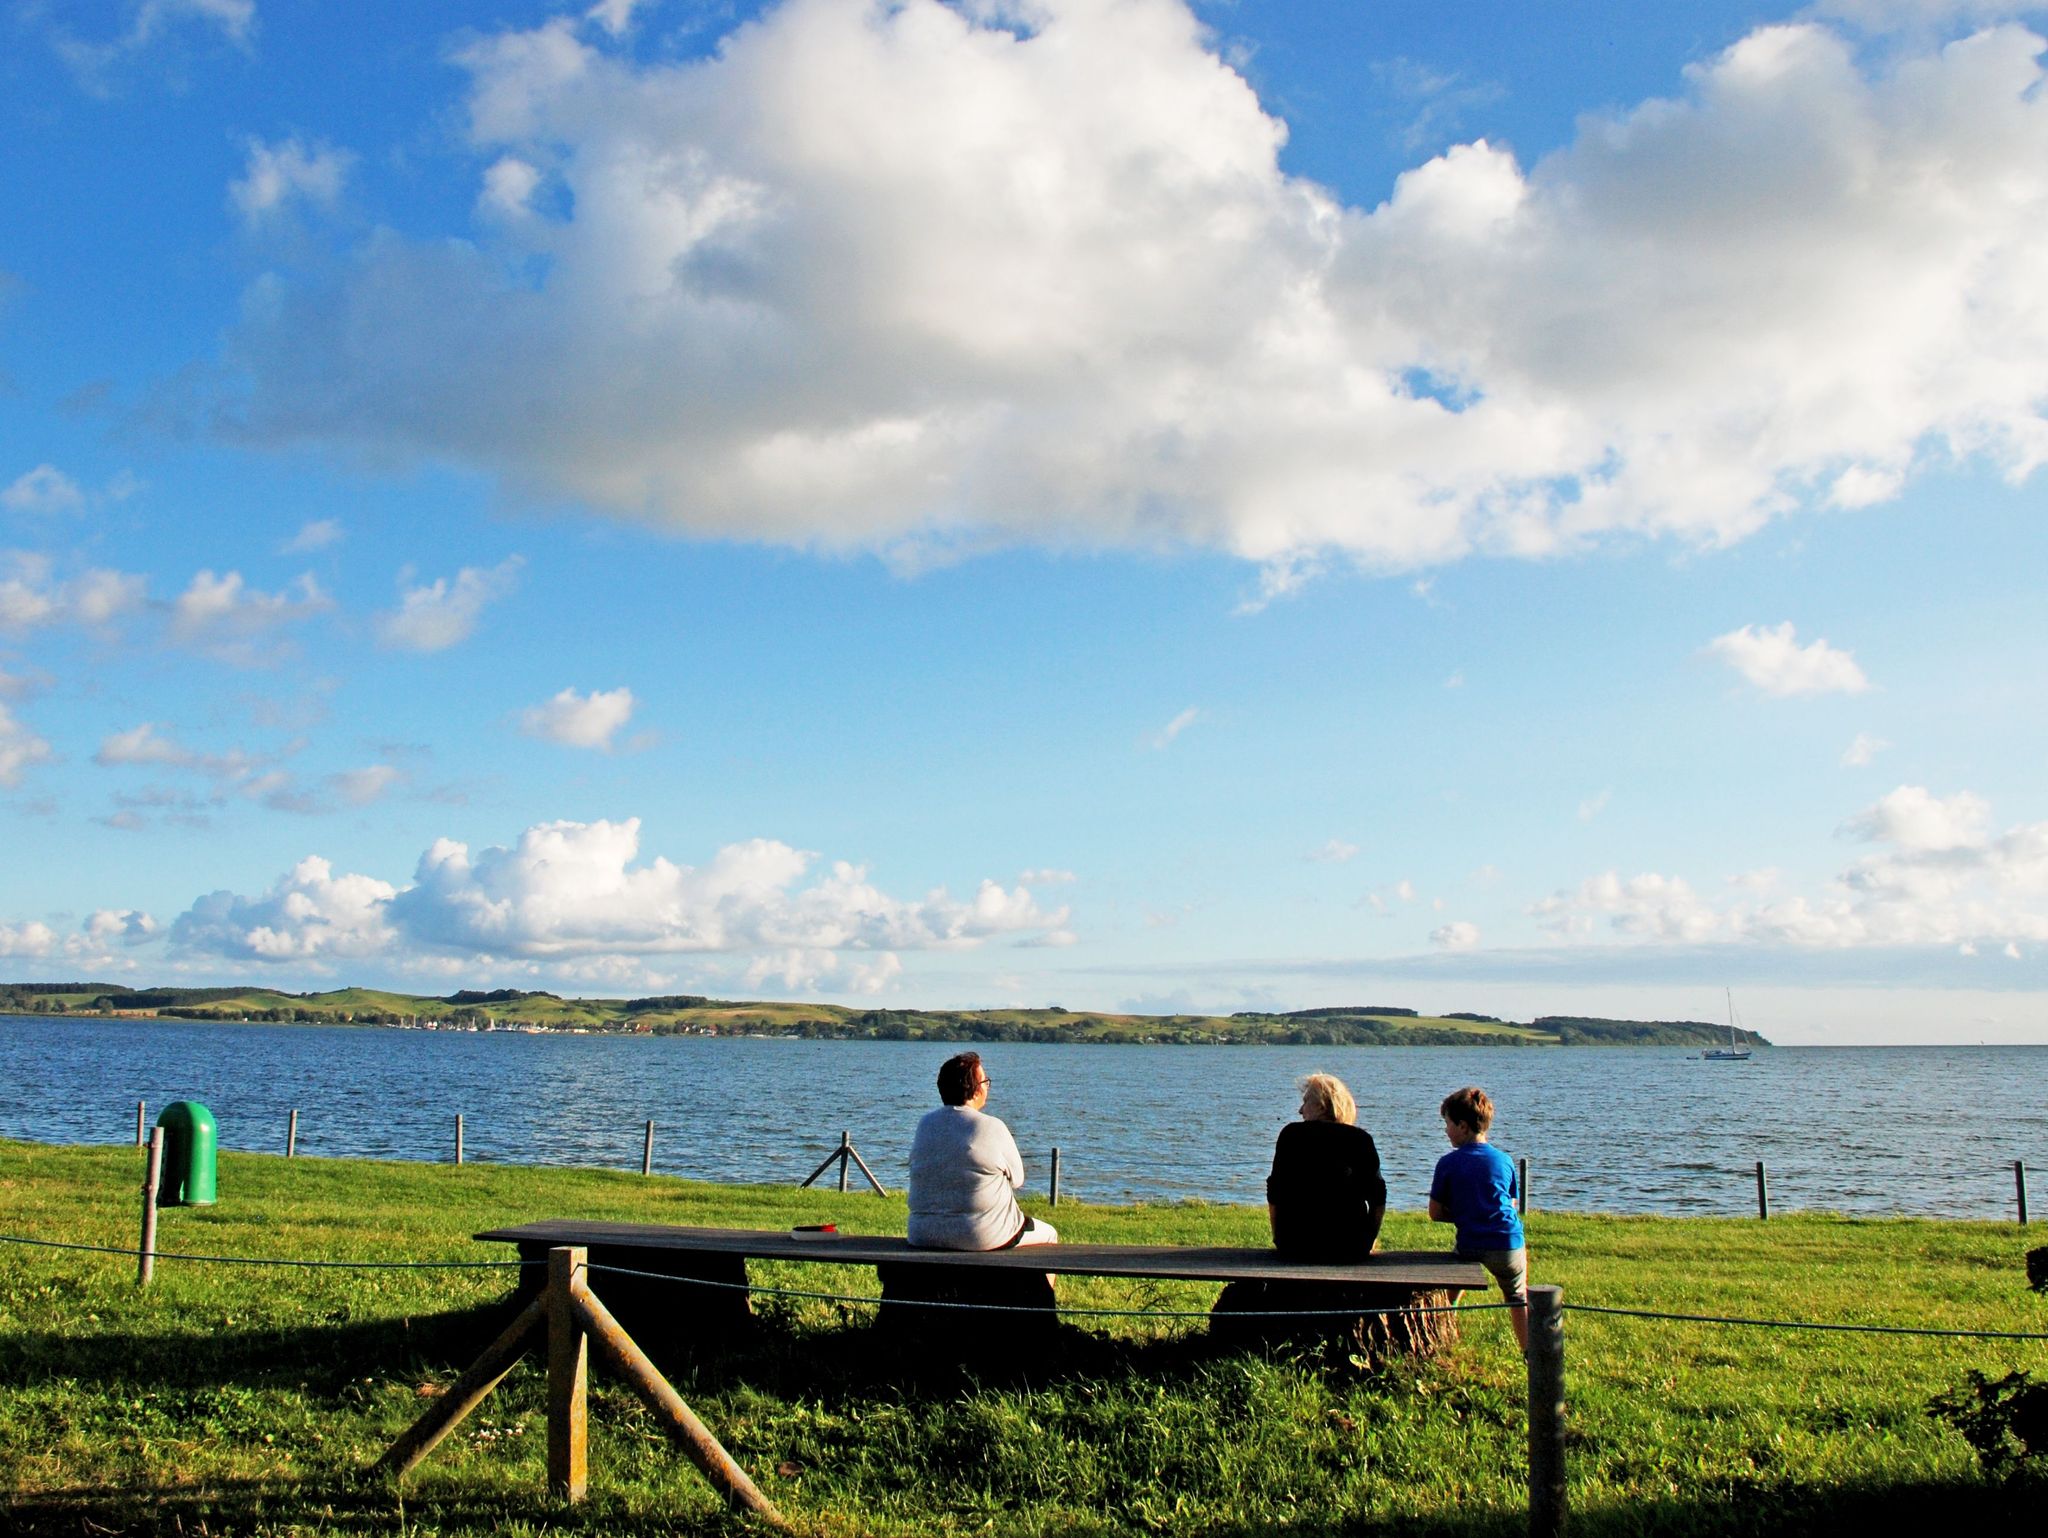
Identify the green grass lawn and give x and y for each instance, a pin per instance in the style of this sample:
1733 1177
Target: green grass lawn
247 1399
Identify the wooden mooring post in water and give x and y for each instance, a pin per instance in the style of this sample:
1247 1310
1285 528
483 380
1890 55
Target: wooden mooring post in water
647 1152
291 1136
141 1137
1055 1174
1763 1192
1522 1187
458 1137
2019 1187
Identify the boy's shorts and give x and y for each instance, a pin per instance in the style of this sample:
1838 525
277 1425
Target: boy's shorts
1510 1268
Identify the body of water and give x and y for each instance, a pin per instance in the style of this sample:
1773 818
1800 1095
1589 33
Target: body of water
1925 1130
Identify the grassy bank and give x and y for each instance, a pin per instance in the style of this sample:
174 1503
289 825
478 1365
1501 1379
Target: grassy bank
229 1398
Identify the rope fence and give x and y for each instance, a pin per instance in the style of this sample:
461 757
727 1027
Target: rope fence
870 1299
848 1159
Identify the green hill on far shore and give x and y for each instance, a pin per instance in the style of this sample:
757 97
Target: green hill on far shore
691 1014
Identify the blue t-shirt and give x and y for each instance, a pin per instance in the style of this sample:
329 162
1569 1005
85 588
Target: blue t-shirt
1476 1185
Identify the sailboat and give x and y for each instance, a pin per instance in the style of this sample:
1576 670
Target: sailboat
1734 1052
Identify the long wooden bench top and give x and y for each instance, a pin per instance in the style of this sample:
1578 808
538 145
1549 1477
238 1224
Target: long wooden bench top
1401 1268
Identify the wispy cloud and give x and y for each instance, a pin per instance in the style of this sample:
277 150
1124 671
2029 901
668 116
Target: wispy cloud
1164 737
1594 805
232 622
45 489
278 175
1334 852
317 535
1863 750
20 749
434 616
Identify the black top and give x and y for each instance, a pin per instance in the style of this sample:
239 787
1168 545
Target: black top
1326 1191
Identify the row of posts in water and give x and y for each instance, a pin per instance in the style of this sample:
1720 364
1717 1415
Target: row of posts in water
846 1157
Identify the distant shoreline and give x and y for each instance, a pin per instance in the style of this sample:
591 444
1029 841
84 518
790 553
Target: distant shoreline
514 1011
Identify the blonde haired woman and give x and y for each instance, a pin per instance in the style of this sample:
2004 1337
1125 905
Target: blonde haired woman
1326 1197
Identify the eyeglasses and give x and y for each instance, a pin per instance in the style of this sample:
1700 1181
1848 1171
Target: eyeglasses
983 1083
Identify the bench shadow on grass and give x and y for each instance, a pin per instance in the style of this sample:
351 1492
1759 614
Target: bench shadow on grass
852 1363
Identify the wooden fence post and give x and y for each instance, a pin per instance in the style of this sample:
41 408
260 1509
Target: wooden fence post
845 1156
458 1137
1522 1187
1546 1412
152 1177
1763 1192
568 1379
291 1136
2019 1186
647 1152
1055 1174
141 1136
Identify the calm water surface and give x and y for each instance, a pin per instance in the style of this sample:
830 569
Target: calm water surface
1929 1130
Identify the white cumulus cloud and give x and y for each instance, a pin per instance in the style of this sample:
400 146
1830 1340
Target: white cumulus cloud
579 720
569 891
1459 935
310 914
889 272
1863 750
1772 659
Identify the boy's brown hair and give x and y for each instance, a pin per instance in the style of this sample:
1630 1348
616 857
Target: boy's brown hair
1468 1107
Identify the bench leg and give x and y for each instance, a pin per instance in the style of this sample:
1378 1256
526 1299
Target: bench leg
1376 1336
1021 1304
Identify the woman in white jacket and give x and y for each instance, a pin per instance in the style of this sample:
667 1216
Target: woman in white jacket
965 1171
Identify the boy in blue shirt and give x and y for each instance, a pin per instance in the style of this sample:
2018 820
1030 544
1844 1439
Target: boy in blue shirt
1475 1188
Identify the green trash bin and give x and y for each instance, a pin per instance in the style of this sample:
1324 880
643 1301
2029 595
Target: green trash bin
190 1142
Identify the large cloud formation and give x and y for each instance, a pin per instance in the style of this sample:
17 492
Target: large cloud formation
899 274
572 891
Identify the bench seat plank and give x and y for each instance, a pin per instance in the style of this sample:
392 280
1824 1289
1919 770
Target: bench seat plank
1405 1268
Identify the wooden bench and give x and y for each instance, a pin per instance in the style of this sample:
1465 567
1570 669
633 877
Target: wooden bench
1256 1281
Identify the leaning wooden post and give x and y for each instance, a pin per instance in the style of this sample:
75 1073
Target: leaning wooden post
1055 1174
141 1136
854 1154
568 1378
152 1177
845 1156
691 1434
2019 1187
647 1152
1546 1411
1763 1192
458 1137
291 1136
1522 1187
467 1392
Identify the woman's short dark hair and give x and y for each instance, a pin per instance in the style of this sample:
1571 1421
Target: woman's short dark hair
957 1077
1468 1107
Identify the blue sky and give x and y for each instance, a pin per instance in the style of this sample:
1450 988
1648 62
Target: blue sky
1533 509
